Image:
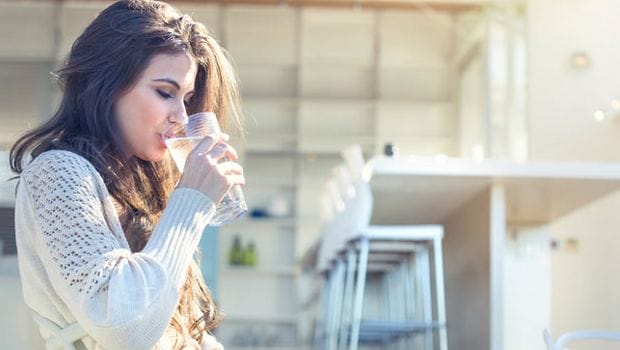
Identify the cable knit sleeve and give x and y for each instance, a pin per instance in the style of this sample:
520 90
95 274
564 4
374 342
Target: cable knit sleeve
123 300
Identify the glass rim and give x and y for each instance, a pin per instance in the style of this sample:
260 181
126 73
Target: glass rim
173 130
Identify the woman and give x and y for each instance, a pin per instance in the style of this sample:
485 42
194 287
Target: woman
106 227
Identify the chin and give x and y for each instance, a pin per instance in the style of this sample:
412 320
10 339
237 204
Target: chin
154 156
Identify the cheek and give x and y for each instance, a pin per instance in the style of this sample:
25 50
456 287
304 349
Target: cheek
152 112
146 112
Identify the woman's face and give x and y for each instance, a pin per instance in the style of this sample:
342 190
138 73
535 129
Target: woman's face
154 103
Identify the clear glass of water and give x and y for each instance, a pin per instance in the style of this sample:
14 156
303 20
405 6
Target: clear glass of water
181 140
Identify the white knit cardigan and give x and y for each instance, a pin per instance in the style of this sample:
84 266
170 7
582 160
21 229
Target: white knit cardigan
75 262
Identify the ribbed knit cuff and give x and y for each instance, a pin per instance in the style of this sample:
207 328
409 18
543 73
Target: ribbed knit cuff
142 332
176 237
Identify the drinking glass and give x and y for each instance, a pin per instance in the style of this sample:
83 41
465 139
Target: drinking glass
181 140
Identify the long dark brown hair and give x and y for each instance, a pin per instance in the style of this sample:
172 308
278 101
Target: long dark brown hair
105 62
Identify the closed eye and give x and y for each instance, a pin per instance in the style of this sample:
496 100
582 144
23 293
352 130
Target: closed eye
164 94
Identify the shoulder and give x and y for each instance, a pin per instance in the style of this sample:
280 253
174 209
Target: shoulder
59 161
59 166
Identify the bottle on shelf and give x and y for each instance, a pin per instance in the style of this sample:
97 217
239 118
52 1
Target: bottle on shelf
236 254
250 254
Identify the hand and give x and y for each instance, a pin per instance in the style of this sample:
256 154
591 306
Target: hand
211 168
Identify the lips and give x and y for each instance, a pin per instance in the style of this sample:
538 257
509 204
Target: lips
161 140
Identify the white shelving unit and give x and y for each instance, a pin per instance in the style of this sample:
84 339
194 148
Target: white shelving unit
315 81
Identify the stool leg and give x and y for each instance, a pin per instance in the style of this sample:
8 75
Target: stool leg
328 308
348 300
329 319
411 295
359 293
336 305
440 293
319 324
425 269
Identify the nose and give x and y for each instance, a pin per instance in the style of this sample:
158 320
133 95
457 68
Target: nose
178 117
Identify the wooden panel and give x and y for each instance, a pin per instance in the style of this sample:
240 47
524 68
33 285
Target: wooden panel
207 14
416 128
270 116
315 170
26 31
314 173
411 83
74 18
270 124
414 55
270 166
324 117
414 119
24 97
262 35
415 40
337 36
267 80
337 81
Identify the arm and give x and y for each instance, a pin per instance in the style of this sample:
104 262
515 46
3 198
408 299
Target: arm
124 300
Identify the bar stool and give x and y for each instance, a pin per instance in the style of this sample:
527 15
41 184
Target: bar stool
401 265
399 258
407 266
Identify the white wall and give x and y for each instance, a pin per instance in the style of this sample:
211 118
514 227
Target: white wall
586 282
561 102
526 288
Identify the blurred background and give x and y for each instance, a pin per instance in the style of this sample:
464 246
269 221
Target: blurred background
520 81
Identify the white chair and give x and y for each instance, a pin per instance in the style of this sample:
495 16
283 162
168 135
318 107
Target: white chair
567 338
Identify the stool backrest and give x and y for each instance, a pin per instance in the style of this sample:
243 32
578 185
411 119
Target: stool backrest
569 337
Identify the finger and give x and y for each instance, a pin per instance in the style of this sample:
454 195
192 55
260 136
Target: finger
206 144
227 168
223 150
236 180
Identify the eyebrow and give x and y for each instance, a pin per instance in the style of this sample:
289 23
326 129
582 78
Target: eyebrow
169 81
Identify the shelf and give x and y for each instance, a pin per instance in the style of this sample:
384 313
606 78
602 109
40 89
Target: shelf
270 181
442 185
271 142
270 99
273 319
333 144
263 223
229 271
